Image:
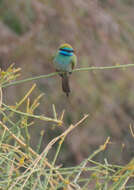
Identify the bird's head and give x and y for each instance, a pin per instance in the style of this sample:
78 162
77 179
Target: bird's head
66 49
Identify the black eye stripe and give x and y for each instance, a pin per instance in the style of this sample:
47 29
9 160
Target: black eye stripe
69 51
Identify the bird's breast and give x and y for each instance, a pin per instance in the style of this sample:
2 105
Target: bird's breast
62 63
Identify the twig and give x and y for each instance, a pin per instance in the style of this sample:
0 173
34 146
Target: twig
0 97
75 70
64 134
102 147
131 130
33 116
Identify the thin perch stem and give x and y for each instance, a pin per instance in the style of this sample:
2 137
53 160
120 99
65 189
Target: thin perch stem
75 70
33 116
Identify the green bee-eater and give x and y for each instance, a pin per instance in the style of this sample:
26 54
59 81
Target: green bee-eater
64 61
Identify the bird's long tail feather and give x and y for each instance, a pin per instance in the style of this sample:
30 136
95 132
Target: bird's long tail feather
65 84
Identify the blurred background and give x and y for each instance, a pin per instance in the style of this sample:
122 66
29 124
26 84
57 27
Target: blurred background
102 34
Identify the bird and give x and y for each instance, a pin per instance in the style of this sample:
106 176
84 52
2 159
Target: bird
64 62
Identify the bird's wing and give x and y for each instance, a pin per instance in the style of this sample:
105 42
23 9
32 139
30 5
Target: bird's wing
74 61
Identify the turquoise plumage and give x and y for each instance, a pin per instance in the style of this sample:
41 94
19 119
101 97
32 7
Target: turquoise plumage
64 61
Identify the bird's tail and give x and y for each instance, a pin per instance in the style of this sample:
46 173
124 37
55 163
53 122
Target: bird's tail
65 84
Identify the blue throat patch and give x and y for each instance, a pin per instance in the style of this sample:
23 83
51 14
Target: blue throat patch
66 53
